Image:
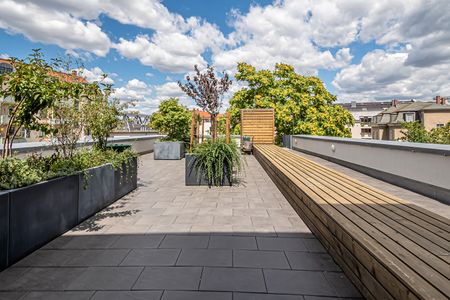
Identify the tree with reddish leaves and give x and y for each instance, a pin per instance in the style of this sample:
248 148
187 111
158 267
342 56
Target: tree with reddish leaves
207 91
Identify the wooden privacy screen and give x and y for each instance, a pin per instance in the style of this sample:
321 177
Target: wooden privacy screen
258 123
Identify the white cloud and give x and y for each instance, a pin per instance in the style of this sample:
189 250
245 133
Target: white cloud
134 91
52 27
382 75
4 56
97 74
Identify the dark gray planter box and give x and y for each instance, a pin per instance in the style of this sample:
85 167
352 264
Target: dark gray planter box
168 150
287 141
96 190
4 229
125 179
192 176
40 213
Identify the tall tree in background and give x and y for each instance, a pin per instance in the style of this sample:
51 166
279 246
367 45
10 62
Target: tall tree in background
302 104
416 133
207 91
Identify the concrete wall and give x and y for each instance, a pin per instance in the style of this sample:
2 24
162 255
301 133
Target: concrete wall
140 144
423 168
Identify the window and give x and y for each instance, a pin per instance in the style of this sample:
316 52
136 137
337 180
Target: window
5 68
439 125
409 117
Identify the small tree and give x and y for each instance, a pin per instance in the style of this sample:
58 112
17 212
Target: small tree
172 119
207 91
32 89
100 113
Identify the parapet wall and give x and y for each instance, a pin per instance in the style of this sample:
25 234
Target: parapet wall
140 144
423 168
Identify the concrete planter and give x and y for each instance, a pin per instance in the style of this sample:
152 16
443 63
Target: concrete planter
125 179
168 150
32 216
4 229
192 174
41 212
96 190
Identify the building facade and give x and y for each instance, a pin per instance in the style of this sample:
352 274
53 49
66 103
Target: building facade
387 125
363 113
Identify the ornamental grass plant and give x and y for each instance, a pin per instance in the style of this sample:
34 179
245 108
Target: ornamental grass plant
217 160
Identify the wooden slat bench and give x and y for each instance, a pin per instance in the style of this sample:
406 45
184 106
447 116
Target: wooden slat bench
390 249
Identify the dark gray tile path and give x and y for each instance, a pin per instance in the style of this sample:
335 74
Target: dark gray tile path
171 242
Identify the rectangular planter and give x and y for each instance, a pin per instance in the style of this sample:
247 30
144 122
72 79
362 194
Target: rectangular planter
32 216
4 229
96 190
125 179
168 150
192 177
40 213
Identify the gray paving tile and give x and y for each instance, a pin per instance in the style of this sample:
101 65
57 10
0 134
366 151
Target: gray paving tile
11 295
58 243
280 243
186 295
232 242
169 278
232 279
127 295
66 295
90 242
314 245
138 241
297 282
96 258
205 257
342 285
311 261
255 296
39 279
46 258
185 241
106 278
260 259
151 257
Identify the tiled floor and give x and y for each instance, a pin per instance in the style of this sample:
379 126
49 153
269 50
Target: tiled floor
168 241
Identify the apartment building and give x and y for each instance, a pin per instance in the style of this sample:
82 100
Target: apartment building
387 125
363 113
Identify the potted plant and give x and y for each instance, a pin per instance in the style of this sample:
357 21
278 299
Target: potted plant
213 163
171 119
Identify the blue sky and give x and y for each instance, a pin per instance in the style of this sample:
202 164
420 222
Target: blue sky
362 51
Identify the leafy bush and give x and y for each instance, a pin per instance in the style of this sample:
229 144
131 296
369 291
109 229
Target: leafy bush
15 172
172 119
416 133
216 159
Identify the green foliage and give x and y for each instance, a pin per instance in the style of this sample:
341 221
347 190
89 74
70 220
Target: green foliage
15 172
415 132
302 104
172 119
101 117
216 159
33 90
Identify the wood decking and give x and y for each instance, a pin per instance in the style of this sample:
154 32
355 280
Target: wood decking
389 248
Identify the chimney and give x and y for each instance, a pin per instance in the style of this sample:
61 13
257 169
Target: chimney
74 73
394 102
438 99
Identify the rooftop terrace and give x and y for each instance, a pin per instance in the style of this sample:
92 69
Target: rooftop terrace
166 241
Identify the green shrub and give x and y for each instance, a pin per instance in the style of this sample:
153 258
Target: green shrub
15 172
216 159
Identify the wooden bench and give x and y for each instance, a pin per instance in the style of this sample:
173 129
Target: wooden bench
389 249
